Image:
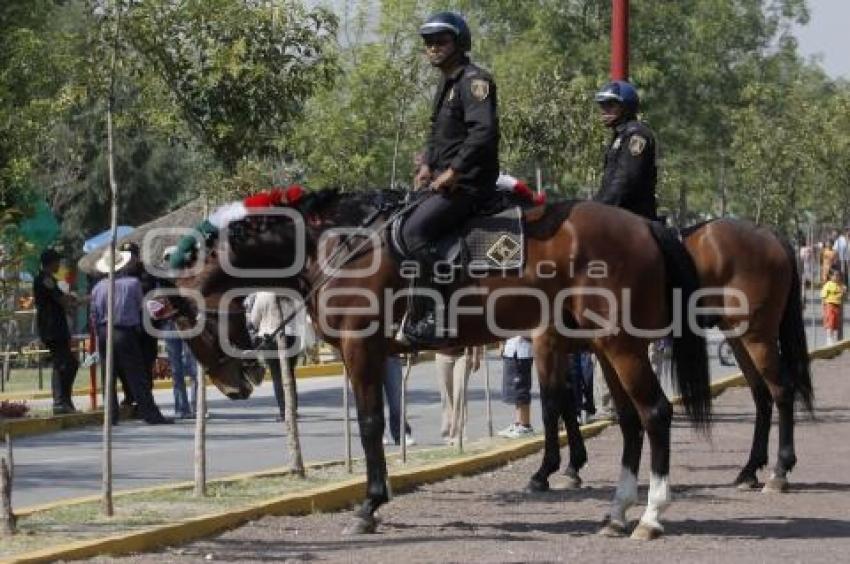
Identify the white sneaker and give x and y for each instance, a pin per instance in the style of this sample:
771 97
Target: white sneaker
385 440
508 431
520 432
409 440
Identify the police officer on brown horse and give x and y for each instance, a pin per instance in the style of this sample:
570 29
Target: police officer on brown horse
630 172
462 157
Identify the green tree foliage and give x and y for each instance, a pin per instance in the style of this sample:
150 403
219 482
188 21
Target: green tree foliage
32 96
364 129
240 71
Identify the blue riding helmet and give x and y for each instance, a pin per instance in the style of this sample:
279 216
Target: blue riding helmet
621 92
452 23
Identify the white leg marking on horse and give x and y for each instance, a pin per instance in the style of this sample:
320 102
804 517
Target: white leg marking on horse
658 500
625 496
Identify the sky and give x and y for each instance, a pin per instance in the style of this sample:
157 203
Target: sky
828 35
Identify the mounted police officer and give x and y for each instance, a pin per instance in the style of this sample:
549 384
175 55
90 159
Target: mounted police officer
461 162
630 172
51 310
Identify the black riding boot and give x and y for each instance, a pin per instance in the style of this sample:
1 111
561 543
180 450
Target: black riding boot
419 327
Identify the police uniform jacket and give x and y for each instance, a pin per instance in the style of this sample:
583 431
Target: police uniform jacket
630 171
465 128
50 310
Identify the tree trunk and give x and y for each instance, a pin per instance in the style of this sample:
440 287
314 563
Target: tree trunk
346 419
7 518
201 435
291 412
10 459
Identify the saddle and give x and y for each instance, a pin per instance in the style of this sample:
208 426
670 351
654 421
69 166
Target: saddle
490 242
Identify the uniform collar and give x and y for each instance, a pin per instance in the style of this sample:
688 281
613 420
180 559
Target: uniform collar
456 74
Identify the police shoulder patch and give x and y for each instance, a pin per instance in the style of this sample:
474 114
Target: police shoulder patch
637 144
479 88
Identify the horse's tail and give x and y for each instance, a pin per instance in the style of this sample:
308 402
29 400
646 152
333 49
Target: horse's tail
690 357
793 349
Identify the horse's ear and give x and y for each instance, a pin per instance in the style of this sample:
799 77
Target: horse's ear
315 201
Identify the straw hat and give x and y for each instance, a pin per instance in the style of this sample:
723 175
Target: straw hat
123 259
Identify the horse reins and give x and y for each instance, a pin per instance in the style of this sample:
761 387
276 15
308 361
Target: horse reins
327 276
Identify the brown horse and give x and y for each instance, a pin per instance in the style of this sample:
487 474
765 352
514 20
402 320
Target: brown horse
594 275
757 271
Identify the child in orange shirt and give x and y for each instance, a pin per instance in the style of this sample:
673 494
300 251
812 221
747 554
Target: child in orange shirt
832 295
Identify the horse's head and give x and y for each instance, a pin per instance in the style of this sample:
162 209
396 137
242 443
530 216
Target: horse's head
209 323
241 249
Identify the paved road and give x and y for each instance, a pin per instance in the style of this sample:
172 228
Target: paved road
244 436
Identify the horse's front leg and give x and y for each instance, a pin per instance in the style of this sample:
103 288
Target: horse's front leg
366 372
555 402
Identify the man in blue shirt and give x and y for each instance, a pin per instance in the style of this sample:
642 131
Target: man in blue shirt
128 359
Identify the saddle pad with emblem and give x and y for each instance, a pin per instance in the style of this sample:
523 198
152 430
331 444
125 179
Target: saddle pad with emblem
495 242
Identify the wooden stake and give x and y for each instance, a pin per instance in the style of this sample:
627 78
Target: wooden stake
7 518
290 409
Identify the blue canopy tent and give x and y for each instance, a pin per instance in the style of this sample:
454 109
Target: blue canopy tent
103 238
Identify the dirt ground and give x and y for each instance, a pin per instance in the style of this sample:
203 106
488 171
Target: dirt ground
488 518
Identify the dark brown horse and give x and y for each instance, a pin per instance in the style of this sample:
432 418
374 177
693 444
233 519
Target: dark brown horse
757 271
594 275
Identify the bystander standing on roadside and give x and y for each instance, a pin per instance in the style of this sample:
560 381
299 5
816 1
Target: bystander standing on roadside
842 255
52 307
266 313
454 366
827 260
517 359
393 382
832 296
128 358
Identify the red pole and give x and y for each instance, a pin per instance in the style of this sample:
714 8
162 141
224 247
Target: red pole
619 39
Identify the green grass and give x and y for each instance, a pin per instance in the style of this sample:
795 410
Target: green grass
137 511
26 380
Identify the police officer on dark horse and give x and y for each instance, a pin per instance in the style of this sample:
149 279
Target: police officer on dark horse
461 161
578 275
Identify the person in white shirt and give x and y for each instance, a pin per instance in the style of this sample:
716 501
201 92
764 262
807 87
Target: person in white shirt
517 358
266 312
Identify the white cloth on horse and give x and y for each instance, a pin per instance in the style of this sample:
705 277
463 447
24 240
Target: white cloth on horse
267 310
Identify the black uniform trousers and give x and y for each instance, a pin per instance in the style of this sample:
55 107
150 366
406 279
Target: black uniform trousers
129 366
65 367
438 215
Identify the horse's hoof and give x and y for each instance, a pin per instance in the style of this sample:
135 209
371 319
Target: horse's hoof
537 486
612 528
776 484
647 532
746 482
361 526
573 480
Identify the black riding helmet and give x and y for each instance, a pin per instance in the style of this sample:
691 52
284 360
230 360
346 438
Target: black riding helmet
450 22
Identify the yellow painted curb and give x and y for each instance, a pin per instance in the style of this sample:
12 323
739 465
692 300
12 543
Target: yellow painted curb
305 371
40 425
326 498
